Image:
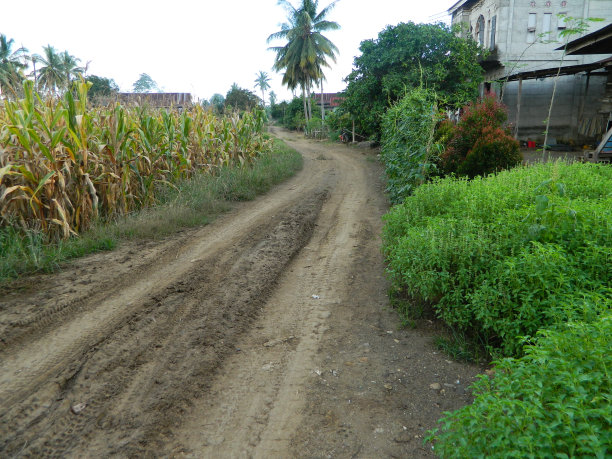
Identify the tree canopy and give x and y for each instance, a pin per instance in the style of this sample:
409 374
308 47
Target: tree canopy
239 98
217 101
145 83
58 70
101 86
306 51
407 56
11 66
262 82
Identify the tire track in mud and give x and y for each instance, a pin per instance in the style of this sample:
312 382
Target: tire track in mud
138 375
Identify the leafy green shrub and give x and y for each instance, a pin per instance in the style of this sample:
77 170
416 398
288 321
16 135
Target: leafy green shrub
503 256
479 144
407 142
493 151
556 401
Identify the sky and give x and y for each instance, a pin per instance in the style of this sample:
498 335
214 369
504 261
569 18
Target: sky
200 47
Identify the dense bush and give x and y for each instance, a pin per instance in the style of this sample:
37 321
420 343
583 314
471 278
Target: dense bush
408 55
289 114
556 401
408 150
480 144
495 150
503 256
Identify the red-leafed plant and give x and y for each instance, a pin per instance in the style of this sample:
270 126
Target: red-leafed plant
481 144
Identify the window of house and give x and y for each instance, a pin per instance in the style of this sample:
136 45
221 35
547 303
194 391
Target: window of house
480 30
562 23
493 25
531 28
546 23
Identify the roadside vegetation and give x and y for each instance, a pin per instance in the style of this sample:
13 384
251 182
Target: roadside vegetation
514 260
192 201
64 164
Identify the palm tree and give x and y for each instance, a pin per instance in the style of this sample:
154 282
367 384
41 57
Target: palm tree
58 70
261 82
70 69
11 67
307 49
51 73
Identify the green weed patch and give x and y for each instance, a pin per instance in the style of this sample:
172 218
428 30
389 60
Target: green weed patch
502 257
556 401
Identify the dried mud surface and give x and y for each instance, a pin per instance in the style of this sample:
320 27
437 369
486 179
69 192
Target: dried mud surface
265 334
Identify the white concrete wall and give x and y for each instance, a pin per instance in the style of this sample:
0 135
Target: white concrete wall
517 54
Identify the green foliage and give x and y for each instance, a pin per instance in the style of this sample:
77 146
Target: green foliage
190 202
337 121
217 102
408 56
290 114
480 145
262 81
408 151
556 401
145 83
494 151
306 50
11 67
101 86
504 256
240 99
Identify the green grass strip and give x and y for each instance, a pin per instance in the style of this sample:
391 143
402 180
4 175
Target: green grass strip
194 202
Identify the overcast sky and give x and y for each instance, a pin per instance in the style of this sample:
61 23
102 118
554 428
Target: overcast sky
201 47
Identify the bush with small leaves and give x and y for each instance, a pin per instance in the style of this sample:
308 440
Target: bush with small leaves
555 401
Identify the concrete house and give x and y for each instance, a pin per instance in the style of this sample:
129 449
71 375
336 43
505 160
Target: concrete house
523 37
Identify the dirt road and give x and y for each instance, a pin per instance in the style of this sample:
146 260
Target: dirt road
265 334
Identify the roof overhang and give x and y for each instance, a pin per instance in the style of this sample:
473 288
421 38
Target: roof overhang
605 64
598 42
460 4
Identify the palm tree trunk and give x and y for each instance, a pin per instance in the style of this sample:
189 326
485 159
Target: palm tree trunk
322 103
35 75
305 106
309 104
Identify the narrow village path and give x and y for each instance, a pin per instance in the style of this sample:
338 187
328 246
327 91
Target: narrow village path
265 334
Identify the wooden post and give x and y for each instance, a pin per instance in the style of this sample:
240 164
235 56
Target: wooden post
353 130
518 107
583 100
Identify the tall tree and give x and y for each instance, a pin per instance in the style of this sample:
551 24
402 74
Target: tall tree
272 98
70 69
50 75
11 66
145 83
408 56
238 98
217 101
101 87
261 82
306 52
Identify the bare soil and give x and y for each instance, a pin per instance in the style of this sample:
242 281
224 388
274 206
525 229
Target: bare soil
264 334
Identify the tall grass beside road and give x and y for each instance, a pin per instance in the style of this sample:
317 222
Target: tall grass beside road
191 202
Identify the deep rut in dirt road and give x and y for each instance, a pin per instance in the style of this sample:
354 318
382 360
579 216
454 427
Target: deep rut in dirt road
264 334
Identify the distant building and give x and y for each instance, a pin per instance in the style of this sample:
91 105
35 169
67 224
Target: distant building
157 100
330 100
523 37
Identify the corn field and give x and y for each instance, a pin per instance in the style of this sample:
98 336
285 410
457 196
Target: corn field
63 164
